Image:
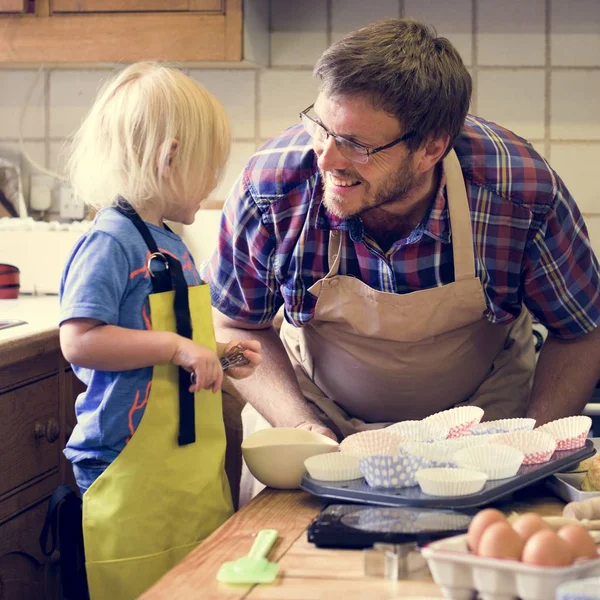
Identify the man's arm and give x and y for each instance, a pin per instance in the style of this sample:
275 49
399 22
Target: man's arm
273 389
565 376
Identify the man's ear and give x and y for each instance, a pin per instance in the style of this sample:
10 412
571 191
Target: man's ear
432 152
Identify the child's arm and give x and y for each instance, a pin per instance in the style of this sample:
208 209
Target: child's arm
91 344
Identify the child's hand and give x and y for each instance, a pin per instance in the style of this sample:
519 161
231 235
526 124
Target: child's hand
201 362
251 353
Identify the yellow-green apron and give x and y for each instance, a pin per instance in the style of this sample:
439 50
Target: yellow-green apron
159 499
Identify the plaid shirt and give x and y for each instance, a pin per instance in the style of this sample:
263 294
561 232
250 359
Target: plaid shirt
530 242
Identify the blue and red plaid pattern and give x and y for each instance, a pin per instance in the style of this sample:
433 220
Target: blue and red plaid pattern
530 242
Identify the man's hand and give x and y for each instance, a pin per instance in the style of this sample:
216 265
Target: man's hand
318 428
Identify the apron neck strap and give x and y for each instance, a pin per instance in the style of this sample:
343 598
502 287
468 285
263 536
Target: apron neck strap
171 276
460 219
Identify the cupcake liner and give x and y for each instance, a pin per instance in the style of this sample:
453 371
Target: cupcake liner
419 431
450 482
495 460
391 471
333 466
442 452
459 419
537 446
374 442
503 426
569 432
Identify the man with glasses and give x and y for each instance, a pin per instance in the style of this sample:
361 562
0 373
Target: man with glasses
408 243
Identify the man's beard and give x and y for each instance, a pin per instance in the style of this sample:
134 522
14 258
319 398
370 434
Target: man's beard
396 189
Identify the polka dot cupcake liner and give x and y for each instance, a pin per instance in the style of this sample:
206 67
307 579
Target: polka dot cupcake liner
503 426
419 431
537 446
459 419
333 466
569 432
495 460
391 471
374 442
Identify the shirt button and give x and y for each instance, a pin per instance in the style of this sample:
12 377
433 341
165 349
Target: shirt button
487 313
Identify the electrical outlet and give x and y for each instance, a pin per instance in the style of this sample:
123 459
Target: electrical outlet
69 207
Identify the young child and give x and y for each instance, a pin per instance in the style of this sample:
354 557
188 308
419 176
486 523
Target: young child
149 445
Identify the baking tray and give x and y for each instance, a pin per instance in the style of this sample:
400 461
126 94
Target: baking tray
357 490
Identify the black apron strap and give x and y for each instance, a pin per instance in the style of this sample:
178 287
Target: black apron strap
163 280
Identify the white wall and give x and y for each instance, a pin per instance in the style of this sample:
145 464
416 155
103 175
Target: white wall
535 66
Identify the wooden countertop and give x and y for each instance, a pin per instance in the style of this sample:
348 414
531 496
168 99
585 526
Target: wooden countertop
306 572
37 337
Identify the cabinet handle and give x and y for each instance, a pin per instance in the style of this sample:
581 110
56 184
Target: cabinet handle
50 430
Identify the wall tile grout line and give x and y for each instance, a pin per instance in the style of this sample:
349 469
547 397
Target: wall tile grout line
548 84
474 57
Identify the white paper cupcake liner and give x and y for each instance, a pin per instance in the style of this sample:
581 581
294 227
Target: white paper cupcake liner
537 446
375 442
459 419
334 466
495 460
503 426
450 482
391 471
569 432
443 451
419 431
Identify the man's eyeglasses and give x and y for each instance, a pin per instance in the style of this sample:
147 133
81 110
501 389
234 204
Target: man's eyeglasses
351 150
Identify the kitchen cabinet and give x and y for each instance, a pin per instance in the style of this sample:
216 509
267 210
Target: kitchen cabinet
123 31
37 397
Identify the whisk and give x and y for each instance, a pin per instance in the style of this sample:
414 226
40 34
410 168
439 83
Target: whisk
234 358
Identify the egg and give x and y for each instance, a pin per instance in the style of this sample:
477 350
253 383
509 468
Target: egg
580 542
481 521
527 524
546 548
500 540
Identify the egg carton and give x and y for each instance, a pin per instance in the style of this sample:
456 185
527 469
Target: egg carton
461 575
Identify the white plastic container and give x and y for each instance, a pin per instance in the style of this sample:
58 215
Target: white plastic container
460 574
568 487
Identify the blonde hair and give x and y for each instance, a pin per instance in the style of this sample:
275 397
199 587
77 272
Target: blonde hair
125 144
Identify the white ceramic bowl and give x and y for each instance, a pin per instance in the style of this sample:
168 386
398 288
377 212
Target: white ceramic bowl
276 456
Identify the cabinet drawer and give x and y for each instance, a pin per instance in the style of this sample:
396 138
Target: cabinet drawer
25 573
29 432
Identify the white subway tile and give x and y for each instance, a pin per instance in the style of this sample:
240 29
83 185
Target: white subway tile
511 32
593 226
574 107
240 153
15 86
513 99
577 165
235 89
348 15
283 94
575 35
298 32
451 19
72 94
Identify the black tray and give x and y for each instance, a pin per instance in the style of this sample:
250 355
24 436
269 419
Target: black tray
357 490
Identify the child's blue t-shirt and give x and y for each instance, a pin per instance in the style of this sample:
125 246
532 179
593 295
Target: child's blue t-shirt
106 278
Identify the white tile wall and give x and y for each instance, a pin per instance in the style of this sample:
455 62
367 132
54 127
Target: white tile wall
511 32
535 66
500 98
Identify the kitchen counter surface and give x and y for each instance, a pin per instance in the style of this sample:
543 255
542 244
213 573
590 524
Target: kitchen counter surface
38 336
306 572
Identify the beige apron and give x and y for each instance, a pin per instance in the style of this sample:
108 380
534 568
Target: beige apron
370 358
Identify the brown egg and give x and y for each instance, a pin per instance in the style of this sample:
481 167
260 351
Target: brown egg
527 524
582 544
481 521
545 548
500 540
